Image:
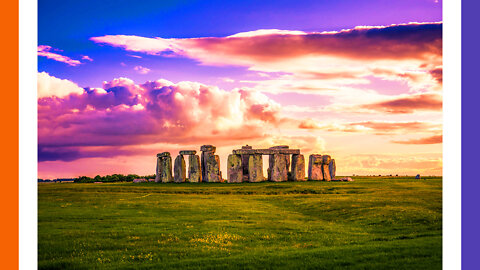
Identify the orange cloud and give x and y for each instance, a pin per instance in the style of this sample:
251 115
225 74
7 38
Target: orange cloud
426 140
408 104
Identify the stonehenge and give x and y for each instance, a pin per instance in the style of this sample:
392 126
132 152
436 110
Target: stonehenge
245 165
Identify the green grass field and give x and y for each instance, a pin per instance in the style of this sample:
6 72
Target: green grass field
372 223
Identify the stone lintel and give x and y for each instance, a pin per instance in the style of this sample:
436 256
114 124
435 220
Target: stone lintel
266 151
208 148
164 154
187 152
279 147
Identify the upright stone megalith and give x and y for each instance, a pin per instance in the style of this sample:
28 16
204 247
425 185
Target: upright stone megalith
164 168
332 168
278 168
298 168
234 169
315 163
255 168
245 162
325 169
210 164
157 170
179 169
194 169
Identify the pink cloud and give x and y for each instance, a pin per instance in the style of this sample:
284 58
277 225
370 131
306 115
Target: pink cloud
49 86
380 127
86 57
375 127
415 40
100 121
46 51
407 52
141 70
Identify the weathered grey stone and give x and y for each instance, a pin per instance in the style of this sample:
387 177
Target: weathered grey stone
247 147
194 169
287 163
347 179
188 152
234 169
298 168
326 159
332 168
266 151
278 168
164 154
210 167
208 148
315 163
326 171
157 171
140 180
219 173
179 169
255 168
279 147
165 169
245 166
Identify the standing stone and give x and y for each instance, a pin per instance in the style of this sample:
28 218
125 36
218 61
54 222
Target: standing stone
298 168
179 169
210 164
217 169
208 148
234 169
270 168
166 169
255 168
194 169
157 170
315 167
325 169
332 168
278 168
245 162
287 162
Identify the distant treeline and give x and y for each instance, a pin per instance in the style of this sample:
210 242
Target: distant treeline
112 178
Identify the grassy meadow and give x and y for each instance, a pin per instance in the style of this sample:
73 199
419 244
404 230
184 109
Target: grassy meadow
372 223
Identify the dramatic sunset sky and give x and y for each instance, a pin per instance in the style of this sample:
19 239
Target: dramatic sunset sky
119 81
